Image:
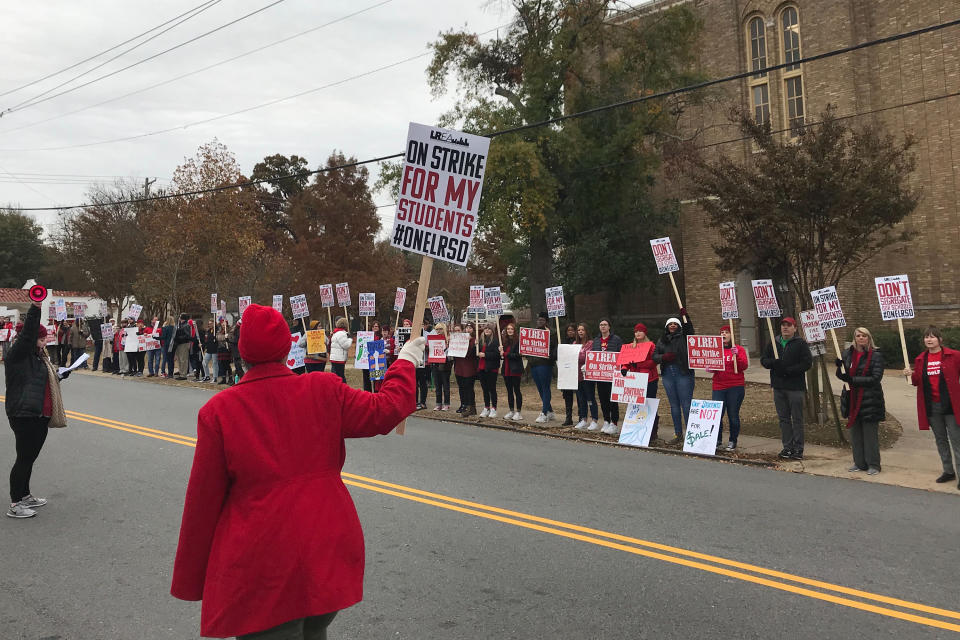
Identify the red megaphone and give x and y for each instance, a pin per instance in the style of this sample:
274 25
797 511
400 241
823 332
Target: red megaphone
38 293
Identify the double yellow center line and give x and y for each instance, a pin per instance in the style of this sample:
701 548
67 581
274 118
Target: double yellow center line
799 585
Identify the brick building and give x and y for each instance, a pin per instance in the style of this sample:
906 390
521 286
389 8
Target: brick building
912 85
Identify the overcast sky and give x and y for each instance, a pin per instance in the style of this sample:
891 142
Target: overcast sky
363 117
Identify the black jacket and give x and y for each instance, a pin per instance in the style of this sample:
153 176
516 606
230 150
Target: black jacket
789 371
25 371
540 362
674 343
613 344
512 360
867 381
209 340
491 355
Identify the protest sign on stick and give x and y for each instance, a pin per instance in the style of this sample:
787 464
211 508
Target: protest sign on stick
398 301
667 263
535 342
813 332
213 304
767 307
705 352
493 300
343 299
703 427
729 311
556 307
326 302
476 306
438 309
244 303
298 306
896 303
278 303
436 215
135 311
368 308
827 304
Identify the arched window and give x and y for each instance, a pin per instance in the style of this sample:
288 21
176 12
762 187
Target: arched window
792 75
759 87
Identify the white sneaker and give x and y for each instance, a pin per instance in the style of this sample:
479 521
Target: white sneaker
439 407
608 428
485 413
580 426
593 426
551 415
31 502
493 413
446 407
541 418
517 417
20 511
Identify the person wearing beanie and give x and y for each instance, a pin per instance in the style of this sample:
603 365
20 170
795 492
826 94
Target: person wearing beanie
729 386
33 405
678 378
648 367
270 536
788 368
541 370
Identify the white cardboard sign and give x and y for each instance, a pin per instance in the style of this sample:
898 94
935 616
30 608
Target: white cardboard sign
664 255
812 330
244 303
298 305
368 305
766 297
893 292
213 303
438 309
568 366
362 361
629 389
556 306
728 301
277 303
703 427
476 305
493 300
295 359
343 294
827 304
326 296
400 299
637 425
459 344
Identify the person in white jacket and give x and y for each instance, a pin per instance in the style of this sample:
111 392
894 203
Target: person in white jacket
340 343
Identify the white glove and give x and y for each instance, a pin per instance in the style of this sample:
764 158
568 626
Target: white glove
413 352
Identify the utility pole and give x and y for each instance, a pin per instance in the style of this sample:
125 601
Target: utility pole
146 186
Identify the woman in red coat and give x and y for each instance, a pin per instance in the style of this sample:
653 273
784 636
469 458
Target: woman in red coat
270 538
936 375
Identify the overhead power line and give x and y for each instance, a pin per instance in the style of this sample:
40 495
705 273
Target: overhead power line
147 59
579 114
200 70
105 51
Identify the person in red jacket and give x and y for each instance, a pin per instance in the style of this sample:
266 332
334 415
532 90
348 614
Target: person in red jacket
648 367
270 539
465 369
936 375
512 370
730 387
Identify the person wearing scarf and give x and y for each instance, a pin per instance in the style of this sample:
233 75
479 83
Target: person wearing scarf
862 368
33 405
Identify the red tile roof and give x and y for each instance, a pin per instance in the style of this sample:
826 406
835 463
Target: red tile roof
14 295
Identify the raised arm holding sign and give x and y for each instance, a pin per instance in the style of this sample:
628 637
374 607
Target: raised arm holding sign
730 311
667 263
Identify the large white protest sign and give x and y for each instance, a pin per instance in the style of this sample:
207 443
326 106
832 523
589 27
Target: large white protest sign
79 309
703 427
476 305
568 366
277 303
827 304
343 294
298 305
438 309
629 389
131 343
493 300
664 255
368 305
106 331
638 421
362 361
135 311
766 297
812 330
400 299
60 306
213 303
893 292
459 344
440 186
556 306
295 359
728 301
326 296
705 352
244 303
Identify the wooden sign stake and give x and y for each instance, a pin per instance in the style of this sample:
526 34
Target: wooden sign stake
366 323
559 337
903 345
676 292
773 339
423 287
330 319
733 343
836 343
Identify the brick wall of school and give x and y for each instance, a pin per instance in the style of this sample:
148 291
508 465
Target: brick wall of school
901 85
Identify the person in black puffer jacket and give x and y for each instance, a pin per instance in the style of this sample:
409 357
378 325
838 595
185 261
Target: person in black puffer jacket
678 378
607 341
862 368
29 404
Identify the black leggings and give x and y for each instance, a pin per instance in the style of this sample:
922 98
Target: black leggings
514 399
339 369
611 410
488 382
441 384
423 376
468 392
30 435
311 628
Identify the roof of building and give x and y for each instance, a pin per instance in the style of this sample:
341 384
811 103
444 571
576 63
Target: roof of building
73 294
21 296
14 295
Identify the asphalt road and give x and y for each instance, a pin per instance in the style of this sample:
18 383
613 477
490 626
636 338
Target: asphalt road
96 562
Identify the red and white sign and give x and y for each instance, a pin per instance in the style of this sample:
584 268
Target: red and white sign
705 352
400 299
326 296
600 366
79 309
106 332
298 305
368 305
535 342
244 303
628 389
664 255
894 295
438 309
493 301
812 330
629 353
440 186
133 314
766 297
827 304
213 303
343 294
436 349
278 303
223 308
556 307
728 301
476 305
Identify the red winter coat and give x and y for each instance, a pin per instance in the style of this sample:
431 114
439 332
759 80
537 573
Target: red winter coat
949 371
269 532
727 379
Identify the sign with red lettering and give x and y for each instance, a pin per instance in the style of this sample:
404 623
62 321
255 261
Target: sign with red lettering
244 303
600 366
894 295
493 300
368 305
277 303
343 294
440 186
812 330
728 301
400 299
705 352
326 295
827 304
535 342
476 305
766 297
213 303
556 306
298 305
438 309
664 255
436 349
629 389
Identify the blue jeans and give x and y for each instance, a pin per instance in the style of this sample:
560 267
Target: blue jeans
679 386
542 377
586 398
732 399
153 361
210 365
167 365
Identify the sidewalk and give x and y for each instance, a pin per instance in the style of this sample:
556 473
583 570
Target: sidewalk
911 462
